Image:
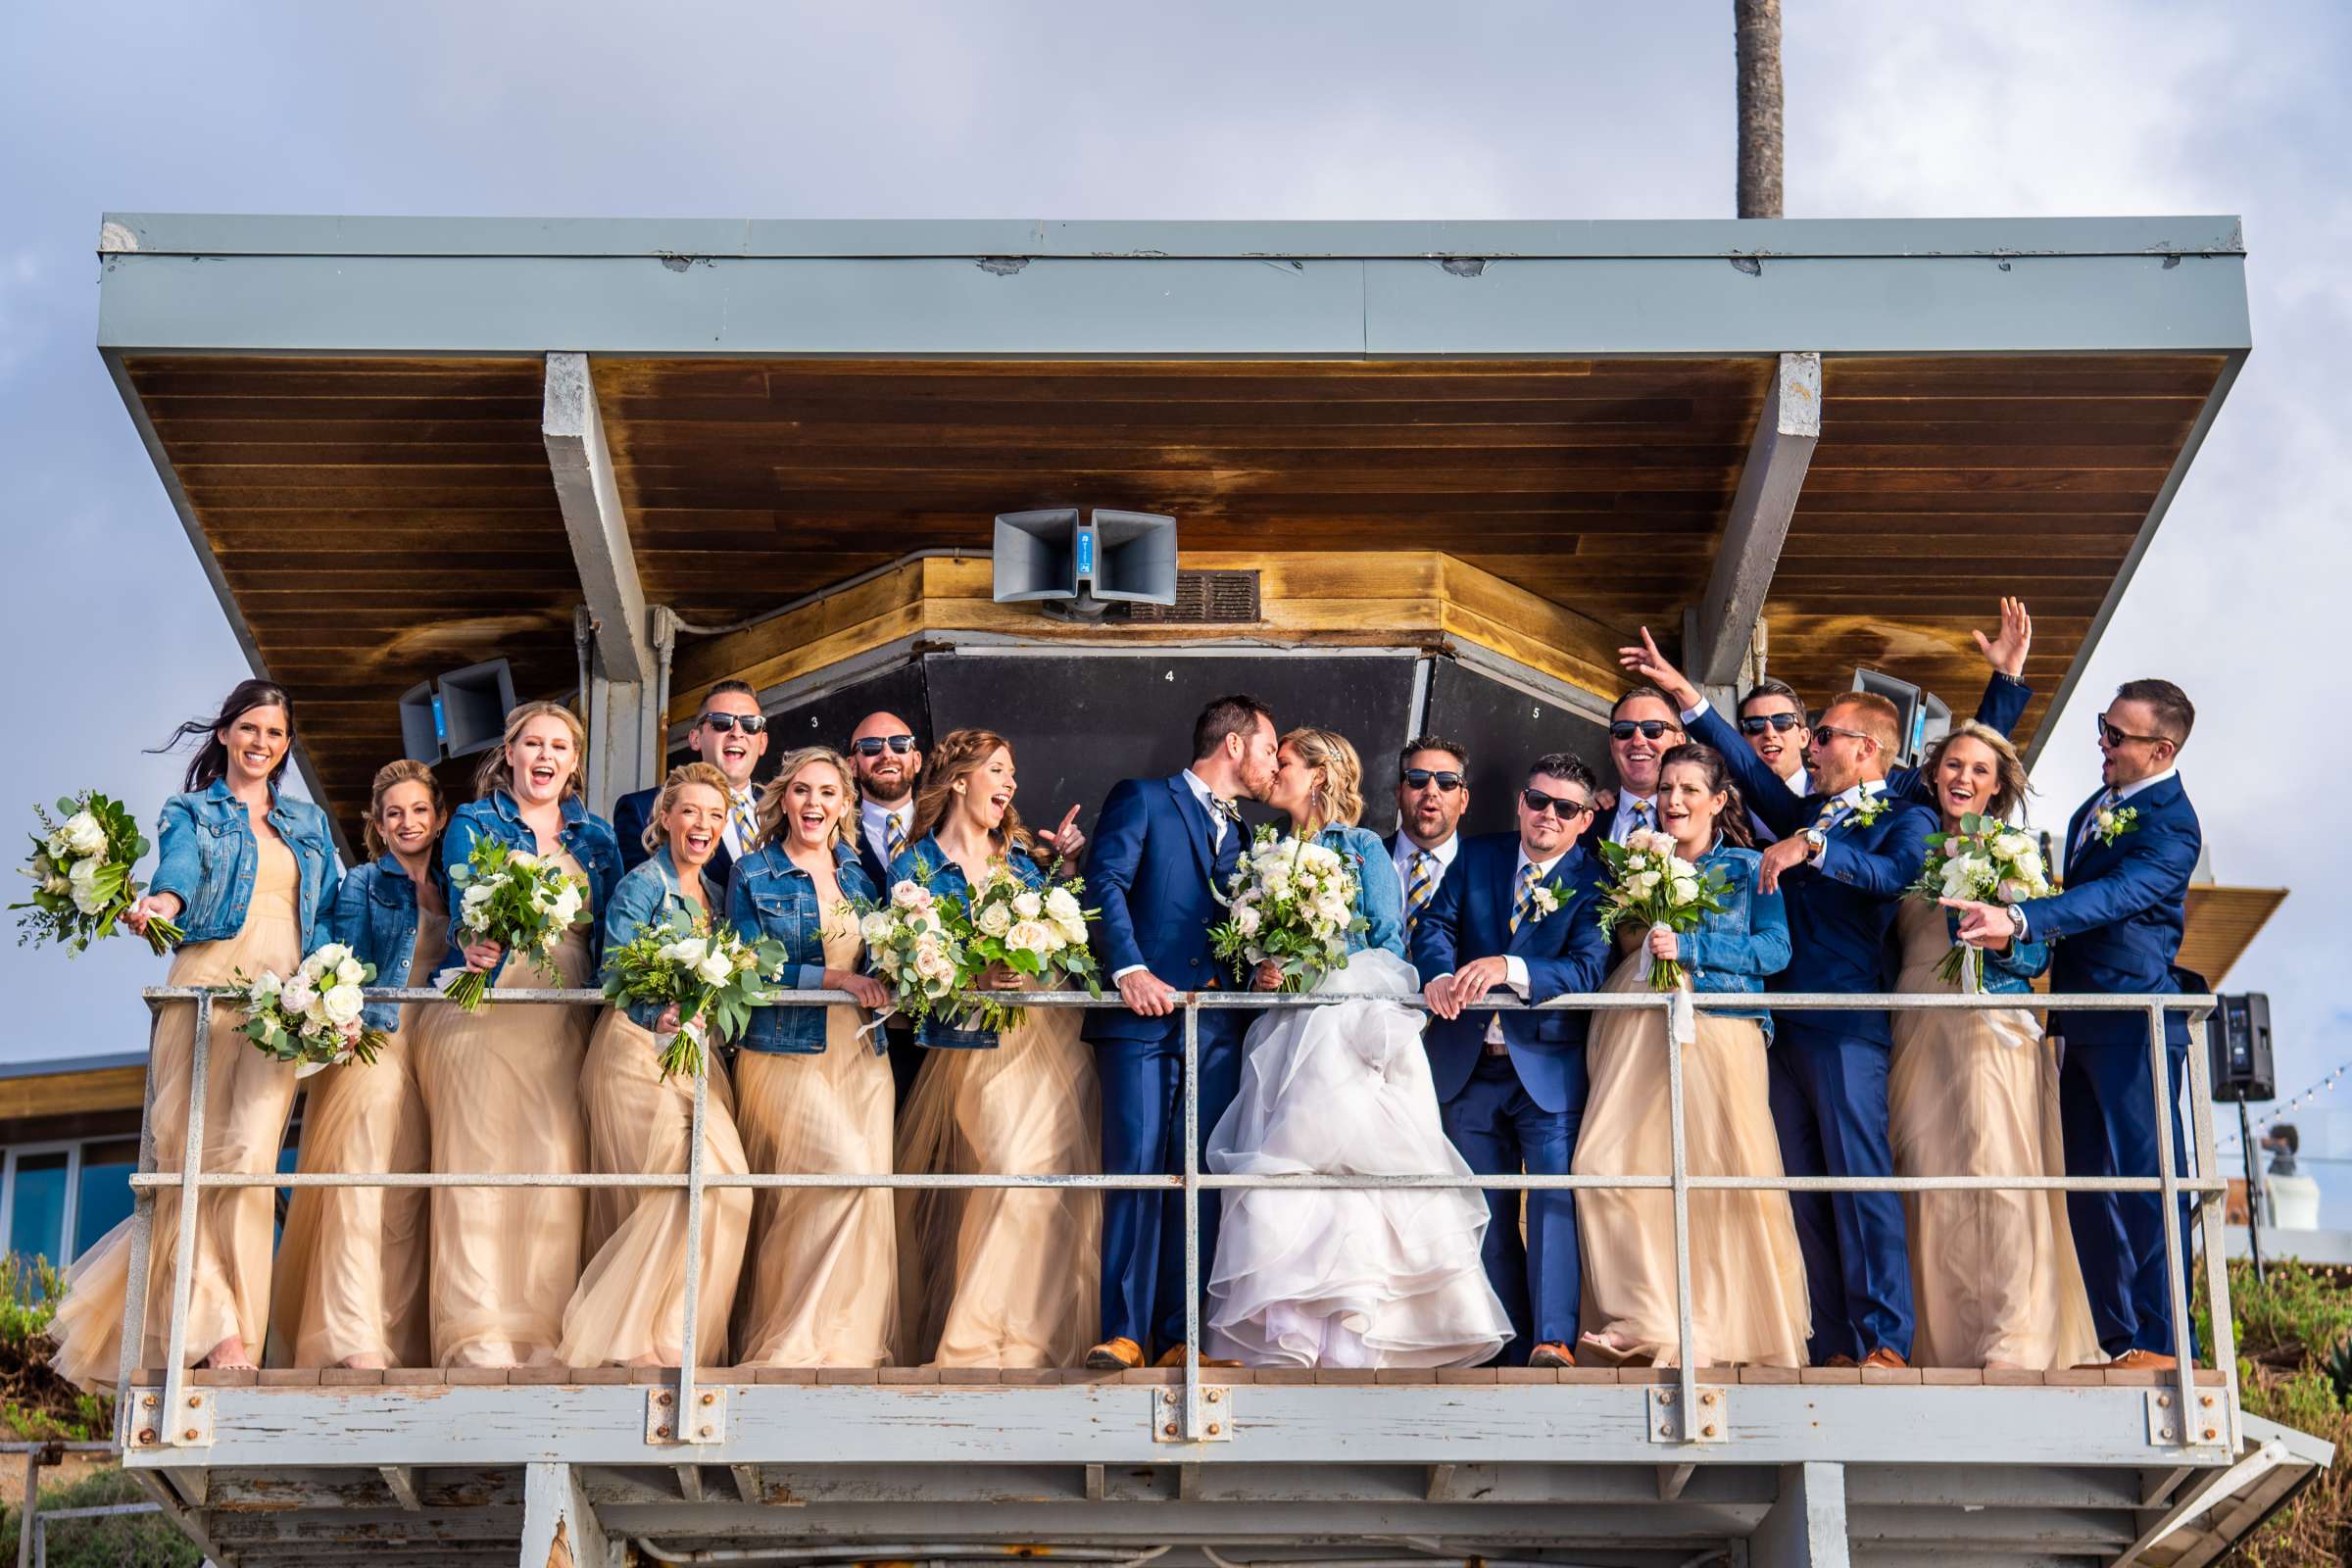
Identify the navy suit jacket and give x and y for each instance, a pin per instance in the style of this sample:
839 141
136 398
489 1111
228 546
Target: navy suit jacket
1149 868
1470 917
1840 913
2119 921
2000 708
868 862
630 816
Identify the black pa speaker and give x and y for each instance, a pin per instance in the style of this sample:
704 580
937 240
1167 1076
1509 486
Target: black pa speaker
1921 717
421 723
462 713
2238 1036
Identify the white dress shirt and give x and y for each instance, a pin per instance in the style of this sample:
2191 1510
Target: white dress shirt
874 817
1623 823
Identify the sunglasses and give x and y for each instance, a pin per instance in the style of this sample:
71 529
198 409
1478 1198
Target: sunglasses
1649 729
2115 737
749 723
1758 723
1559 805
873 745
1850 734
1420 778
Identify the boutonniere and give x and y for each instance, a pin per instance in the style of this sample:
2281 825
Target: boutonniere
1544 900
2116 821
1867 811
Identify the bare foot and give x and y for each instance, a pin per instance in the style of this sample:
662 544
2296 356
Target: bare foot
365 1362
229 1356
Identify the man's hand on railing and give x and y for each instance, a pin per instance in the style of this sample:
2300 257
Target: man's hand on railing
869 992
1147 994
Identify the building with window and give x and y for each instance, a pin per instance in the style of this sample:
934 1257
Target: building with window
68 1143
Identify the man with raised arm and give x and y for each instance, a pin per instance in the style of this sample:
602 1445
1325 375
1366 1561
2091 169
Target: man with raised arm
1848 851
2130 849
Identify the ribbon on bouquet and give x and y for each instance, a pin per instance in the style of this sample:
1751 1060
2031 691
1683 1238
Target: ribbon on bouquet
1682 1018
1972 962
875 1028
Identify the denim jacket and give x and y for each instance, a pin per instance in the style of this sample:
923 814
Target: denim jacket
1732 951
931 865
650 893
375 917
208 858
2010 971
770 899
1379 896
587 836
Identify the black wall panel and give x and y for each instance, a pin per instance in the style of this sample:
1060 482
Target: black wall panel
1505 729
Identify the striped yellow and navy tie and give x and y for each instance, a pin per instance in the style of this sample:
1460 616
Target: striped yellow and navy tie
1424 887
747 821
894 837
1523 896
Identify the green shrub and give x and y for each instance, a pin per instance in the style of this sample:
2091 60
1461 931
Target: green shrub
132 1540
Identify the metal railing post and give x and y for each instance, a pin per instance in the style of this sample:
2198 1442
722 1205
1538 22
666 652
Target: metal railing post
1191 1217
2175 1278
191 1191
133 1337
1686 1375
688 1424
2211 1221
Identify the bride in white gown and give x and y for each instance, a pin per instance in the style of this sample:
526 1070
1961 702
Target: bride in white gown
1346 1279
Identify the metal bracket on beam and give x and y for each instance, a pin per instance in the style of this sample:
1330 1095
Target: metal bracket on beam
190 1426
707 1424
1710 1423
2208 1429
1216 1408
1757 524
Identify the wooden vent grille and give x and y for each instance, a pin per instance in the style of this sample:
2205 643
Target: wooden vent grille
1204 599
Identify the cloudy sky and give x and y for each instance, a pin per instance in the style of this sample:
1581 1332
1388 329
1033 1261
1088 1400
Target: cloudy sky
1324 111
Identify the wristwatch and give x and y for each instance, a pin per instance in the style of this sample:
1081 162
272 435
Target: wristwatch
1819 841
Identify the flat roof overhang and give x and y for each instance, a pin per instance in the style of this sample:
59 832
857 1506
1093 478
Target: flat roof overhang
348 414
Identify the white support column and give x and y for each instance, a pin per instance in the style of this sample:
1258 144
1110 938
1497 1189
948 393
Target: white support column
560 1530
1778 455
1806 1527
622 704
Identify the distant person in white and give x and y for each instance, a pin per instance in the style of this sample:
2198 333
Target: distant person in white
2294 1199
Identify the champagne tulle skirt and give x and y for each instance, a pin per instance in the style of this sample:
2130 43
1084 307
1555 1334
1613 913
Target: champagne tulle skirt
1004 1276
1749 1305
631 1304
1347 1279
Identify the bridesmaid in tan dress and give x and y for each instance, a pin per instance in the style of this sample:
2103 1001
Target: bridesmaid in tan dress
1994 1274
351 1266
1749 1305
502 1086
813 1094
630 1309
248 875
1000 1276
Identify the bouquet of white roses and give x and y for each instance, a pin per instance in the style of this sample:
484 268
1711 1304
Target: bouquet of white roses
312 1017
1650 883
911 949
1035 933
713 976
1986 860
515 898
1293 905
81 870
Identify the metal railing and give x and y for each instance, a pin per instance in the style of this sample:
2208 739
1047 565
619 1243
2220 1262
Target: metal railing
2206 1186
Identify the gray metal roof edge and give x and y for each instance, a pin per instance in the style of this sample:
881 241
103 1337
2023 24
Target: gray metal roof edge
265 234
47 1065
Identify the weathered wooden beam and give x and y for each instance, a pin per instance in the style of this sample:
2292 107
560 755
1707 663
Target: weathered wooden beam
586 490
560 1530
1778 455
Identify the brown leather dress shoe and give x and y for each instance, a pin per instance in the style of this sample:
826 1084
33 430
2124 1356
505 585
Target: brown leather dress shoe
1551 1353
1883 1357
2134 1361
1116 1355
1173 1356
1841 1361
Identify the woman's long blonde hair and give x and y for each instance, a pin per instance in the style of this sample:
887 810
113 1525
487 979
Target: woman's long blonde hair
2009 797
959 756
1340 797
794 765
685 773
406 770
494 772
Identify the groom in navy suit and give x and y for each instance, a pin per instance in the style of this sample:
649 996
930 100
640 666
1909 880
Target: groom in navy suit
1846 852
2130 849
1164 850
1523 910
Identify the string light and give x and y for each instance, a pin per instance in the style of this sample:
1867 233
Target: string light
2300 1097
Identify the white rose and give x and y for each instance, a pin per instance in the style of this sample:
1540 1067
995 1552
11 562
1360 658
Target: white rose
2012 891
343 1004
1686 890
1636 862
1646 883
268 984
717 969
1073 930
2013 846
82 883
524 859
1278 885
1027 936
477 895
2029 866
57 847
995 921
82 834
875 929
1062 909
351 972
688 951
297 994
566 908
1029 905
329 956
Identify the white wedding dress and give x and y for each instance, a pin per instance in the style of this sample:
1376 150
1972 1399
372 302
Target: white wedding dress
1347 1279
